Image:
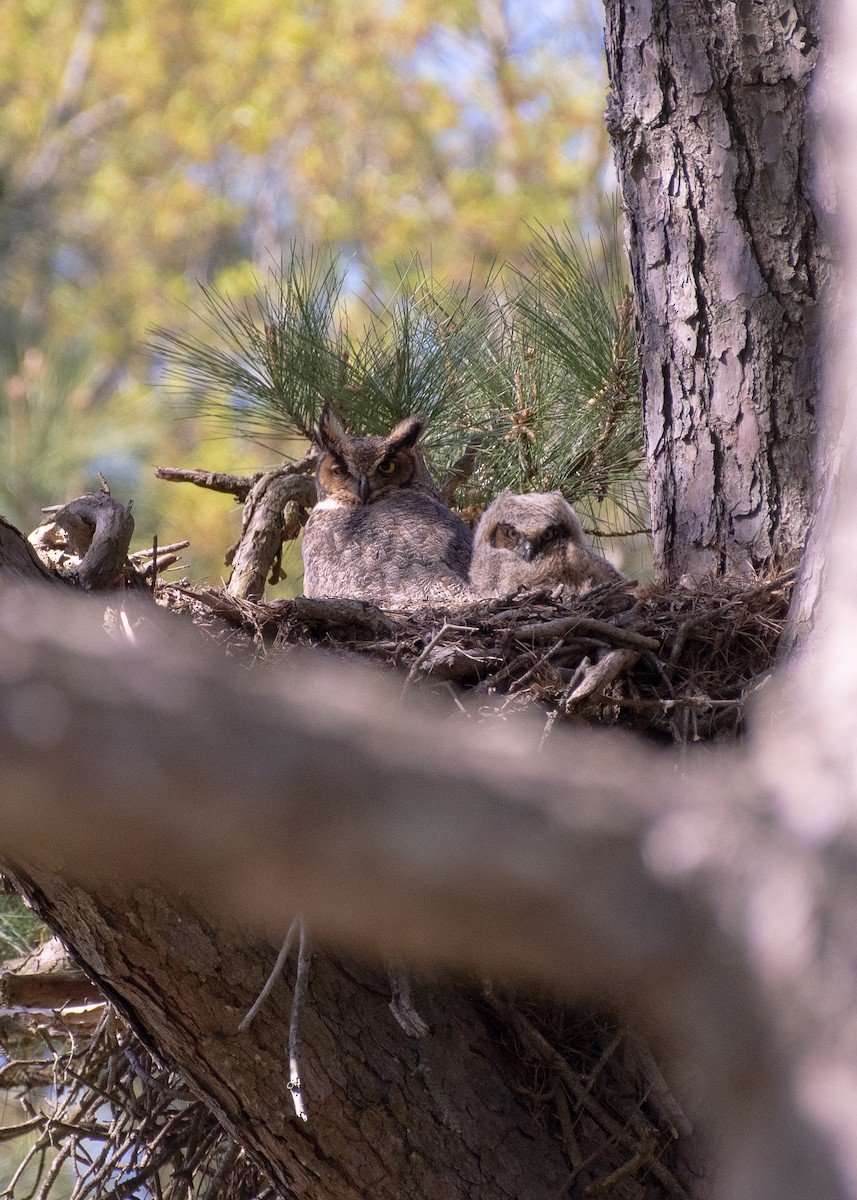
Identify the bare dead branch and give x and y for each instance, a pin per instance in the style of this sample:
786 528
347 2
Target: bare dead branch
263 527
461 470
298 998
147 553
602 674
217 481
273 977
546 630
96 531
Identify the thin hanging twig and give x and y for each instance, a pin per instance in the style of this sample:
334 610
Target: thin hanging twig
295 1085
272 978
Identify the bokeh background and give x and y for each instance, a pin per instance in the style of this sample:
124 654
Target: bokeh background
150 146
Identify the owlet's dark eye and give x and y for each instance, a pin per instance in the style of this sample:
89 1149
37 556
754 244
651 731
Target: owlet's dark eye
387 468
506 537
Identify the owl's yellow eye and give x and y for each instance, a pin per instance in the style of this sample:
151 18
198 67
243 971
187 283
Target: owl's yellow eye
387 468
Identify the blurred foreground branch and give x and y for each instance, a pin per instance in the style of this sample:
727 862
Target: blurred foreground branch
314 790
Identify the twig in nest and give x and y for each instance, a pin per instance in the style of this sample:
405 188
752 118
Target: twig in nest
433 641
549 724
543 631
607 1054
155 559
539 662
295 1086
607 536
566 1125
158 566
541 1047
213 1191
217 481
140 555
599 676
601 1187
660 1094
272 978
461 469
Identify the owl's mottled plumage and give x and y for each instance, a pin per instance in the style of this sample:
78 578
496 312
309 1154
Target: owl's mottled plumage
531 541
380 531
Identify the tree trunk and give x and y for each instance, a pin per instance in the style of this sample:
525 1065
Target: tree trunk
708 115
389 1115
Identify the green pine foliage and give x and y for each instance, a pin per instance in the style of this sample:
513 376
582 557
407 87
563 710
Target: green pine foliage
536 372
270 363
577 309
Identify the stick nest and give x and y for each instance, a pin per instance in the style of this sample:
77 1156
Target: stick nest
679 665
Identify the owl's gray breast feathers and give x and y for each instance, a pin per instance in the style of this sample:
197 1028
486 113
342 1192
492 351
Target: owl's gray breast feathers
402 551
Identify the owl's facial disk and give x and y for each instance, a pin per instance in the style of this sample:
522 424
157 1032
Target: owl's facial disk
361 470
355 478
525 543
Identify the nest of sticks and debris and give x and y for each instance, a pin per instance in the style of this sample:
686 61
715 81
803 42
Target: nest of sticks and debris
103 1119
679 665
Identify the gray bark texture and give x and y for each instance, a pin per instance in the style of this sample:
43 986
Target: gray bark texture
708 112
390 1115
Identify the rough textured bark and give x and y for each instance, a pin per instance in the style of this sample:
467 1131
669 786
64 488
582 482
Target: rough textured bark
272 512
19 562
708 113
390 1116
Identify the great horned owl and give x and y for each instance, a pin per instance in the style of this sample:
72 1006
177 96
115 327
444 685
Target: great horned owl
531 541
380 531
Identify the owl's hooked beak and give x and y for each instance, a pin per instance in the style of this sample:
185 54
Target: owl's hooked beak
363 489
528 550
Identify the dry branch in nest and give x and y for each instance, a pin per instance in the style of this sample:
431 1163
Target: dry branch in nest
88 540
594 1081
119 1122
122 1125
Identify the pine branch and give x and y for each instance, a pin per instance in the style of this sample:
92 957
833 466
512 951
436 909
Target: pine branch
539 373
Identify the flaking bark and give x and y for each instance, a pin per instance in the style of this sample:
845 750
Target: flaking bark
390 1116
708 113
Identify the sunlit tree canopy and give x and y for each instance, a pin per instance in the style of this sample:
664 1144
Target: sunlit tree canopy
149 146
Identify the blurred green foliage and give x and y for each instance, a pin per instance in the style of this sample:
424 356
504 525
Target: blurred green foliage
20 928
148 146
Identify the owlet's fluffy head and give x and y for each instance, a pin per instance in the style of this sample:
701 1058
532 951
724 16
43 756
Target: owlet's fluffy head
531 541
363 470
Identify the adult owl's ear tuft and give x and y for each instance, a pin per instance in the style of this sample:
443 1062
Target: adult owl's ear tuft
407 432
329 435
